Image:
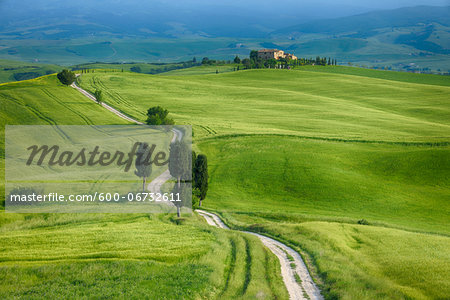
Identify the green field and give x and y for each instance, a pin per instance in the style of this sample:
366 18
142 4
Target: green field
295 151
11 70
389 185
15 70
117 255
132 256
301 155
301 103
379 50
361 262
203 70
155 50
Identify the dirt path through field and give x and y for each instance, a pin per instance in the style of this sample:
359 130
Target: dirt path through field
293 270
155 185
111 109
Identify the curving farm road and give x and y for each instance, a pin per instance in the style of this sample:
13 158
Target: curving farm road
111 109
155 185
301 289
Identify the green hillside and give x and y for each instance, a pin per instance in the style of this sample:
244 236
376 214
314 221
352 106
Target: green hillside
292 152
301 103
117 255
15 70
45 101
408 38
368 22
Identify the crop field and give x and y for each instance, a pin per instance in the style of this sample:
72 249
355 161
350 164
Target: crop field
132 256
113 255
303 155
44 101
302 103
146 68
203 70
358 51
15 70
155 50
364 262
401 186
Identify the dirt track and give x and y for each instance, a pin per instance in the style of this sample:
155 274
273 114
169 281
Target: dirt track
303 289
290 261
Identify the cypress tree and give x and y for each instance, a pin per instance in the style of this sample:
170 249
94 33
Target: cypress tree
180 168
142 163
201 176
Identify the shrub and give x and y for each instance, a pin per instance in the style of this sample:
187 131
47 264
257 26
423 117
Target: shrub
98 95
363 222
136 69
158 116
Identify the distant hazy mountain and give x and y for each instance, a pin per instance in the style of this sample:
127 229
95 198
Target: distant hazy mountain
53 19
368 22
73 32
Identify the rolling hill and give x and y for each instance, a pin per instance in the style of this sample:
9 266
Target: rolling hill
411 39
379 38
368 23
301 155
304 155
116 255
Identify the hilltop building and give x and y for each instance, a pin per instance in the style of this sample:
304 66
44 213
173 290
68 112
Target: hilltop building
275 54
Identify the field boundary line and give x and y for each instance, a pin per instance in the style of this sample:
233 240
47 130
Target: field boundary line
415 144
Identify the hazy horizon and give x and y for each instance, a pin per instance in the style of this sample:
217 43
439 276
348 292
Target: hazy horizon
292 11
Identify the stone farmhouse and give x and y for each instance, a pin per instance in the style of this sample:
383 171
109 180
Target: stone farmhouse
275 54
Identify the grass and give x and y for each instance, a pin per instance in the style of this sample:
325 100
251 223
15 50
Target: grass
379 50
44 101
87 255
286 102
15 70
155 50
302 155
203 70
404 186
117 255
395 76
146 68
11 70
368 262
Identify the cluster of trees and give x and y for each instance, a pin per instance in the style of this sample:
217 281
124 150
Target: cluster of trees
253 62
207 61
136 69
84 70
158 116
180 165
318 61
66 77
184 169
